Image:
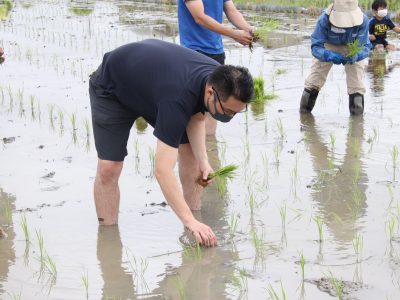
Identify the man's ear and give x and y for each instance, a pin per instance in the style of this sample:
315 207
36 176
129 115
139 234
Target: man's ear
209 91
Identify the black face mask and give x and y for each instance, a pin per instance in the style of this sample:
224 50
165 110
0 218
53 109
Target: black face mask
224 118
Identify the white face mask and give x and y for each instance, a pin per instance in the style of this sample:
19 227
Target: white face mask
382 13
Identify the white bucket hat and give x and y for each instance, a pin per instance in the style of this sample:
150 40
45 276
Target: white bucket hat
345 13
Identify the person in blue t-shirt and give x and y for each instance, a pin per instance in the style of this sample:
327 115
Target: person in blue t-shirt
200 29
379 25
342 23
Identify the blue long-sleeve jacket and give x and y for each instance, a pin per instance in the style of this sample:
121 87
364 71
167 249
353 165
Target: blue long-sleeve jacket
325 32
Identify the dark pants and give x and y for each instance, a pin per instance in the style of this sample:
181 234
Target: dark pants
217 57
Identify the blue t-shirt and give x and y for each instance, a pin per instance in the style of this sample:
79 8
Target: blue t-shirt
162 82
379 28
197 37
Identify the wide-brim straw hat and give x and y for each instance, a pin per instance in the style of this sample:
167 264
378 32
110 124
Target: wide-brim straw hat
345 13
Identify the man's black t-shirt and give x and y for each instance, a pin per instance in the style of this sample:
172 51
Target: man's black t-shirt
162 82
379 28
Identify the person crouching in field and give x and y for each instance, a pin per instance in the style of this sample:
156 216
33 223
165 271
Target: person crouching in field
379 25
172 88
340 24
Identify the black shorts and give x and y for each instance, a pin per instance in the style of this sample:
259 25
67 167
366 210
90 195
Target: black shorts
380 42
217 57
111 122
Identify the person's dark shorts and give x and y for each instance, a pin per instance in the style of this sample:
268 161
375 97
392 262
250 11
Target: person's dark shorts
220 58
380 42
111 122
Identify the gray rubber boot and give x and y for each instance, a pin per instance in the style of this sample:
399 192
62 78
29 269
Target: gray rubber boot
356 104
308 100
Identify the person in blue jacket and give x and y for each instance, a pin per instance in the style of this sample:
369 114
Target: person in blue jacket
341 23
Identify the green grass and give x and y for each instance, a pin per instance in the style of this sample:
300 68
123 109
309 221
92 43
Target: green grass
273 295
227 172
25 229
354 48
259 93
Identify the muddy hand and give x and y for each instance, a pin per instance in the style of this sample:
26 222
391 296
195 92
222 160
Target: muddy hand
243 37
205 170
203 233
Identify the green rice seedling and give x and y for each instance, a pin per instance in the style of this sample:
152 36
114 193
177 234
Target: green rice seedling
273 295
281 72
358 245
233 224
337 285
152 158
10 99
25 229
50 266
190 251
257 239
240 282
51 115
2 95
85 282
260 97
221 186
252 203
227 172
137 270
86 124
74 128
14 296
395 157
32 106
282 213
391 228
20 97
319 222
261 34
180 285
331 162
39 112
356 201
277 152
8 212
280 129
61 121
40 241
354 47
137 148
302 264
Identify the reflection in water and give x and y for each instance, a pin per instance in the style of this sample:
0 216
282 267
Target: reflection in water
207 277
378 68
7 254
81 7
339 189
118 283
5 8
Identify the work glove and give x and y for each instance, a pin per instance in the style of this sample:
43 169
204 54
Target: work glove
334 57
350 60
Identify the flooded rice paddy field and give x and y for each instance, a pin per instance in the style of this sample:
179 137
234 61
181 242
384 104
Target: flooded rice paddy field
318 193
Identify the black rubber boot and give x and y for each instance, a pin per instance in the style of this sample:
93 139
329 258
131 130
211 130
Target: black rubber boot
356 104
308 100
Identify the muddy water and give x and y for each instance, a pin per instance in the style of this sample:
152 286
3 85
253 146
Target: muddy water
328 167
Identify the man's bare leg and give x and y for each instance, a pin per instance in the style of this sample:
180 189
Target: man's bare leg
188 173
106 191
211 125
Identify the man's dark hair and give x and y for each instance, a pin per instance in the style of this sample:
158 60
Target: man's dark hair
232 81
379 3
